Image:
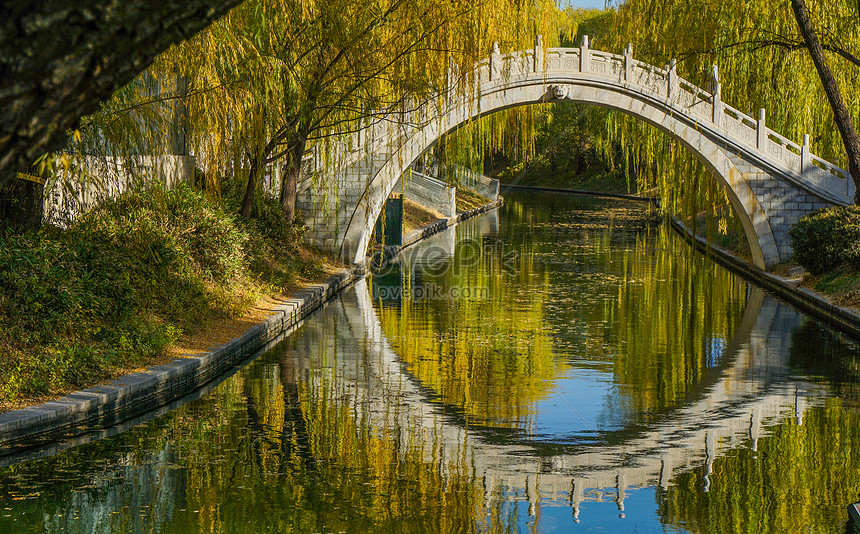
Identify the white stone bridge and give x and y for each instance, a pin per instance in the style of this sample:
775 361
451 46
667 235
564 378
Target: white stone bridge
770 180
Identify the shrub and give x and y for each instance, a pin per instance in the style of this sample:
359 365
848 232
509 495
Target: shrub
114 289
828 239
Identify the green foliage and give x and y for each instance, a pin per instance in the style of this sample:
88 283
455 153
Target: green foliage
273 240
762 63
125 281
828 239
569 152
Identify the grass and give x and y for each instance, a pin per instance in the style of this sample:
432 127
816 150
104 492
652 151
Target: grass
467 200
113 291
841 286
415 216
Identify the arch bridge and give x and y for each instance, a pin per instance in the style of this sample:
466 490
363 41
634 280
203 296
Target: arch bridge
770 180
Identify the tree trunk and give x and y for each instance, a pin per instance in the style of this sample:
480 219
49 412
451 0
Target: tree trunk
291 177
834 96
250 188
59 60
442 158
21 205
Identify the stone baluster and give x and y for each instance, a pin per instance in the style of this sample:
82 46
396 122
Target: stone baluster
532 494
799 404
495 62
538 59
451 75
718 103
576 492
620 488
755 430
710 453
628 63
674 86
761 130
805 156
584 56
489 484
665 472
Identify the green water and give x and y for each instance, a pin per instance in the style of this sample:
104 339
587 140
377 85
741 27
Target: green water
561 365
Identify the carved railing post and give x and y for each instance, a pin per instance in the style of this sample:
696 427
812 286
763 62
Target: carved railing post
495 62
805 156
718 103
628 63
584 56
538 59
673 86
761 130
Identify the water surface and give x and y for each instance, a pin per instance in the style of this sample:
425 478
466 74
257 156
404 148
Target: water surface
563 364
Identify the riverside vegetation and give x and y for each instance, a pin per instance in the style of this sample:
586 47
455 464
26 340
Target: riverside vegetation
115 288
259 88
827 244
132 276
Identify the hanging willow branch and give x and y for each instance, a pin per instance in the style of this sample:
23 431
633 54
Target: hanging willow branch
831 89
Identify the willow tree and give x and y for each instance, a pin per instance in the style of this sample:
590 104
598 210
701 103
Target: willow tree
831 89
762 63
276 76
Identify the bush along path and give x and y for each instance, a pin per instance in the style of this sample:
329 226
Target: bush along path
115 291
827 244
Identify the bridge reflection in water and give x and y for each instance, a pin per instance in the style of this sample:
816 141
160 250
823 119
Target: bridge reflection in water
533 405
378 390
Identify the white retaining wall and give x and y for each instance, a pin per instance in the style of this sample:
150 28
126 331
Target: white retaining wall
427 191
477 182
109 177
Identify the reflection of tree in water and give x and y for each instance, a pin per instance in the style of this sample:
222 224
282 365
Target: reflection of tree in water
489 357
803 473
800 479
597 286
821 351
288 444
96 491
684 310
270 450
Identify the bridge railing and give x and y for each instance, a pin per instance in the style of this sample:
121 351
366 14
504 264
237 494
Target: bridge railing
379 139
706 107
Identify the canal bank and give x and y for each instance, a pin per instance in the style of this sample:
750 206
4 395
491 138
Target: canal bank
137 393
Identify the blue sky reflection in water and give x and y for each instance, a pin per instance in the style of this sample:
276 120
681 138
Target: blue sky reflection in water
598 369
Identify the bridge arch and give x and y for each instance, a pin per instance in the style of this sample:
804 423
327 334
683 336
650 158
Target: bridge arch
538 89
720 417
769 180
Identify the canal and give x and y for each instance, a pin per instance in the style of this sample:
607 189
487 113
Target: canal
565 363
